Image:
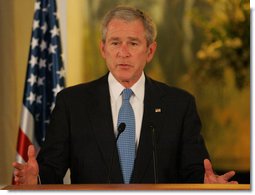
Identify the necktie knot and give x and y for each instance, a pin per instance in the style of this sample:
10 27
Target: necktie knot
126 94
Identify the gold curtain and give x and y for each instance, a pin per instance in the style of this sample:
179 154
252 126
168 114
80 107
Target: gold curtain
15 29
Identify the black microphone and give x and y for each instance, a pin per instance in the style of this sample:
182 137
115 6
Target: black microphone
154 153
121 128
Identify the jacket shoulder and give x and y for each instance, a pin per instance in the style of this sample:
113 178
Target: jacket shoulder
170 91
84 89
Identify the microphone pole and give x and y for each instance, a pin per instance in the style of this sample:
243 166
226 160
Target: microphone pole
121 128
154 153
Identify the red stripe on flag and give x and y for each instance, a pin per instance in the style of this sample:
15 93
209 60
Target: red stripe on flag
22 146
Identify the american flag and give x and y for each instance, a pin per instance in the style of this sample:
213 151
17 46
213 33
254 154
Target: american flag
45 77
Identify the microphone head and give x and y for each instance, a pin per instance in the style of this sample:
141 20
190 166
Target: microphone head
121 127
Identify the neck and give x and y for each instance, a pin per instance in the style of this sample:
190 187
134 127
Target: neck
127 84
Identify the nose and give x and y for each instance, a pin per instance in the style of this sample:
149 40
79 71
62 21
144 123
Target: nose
123 51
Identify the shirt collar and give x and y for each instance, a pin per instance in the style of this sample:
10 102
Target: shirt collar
116 88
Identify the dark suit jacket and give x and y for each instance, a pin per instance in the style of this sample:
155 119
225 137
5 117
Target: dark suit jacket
81 137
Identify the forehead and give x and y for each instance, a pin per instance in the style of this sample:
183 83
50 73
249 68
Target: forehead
122 28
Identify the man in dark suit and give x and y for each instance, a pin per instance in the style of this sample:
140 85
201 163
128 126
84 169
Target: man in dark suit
83 128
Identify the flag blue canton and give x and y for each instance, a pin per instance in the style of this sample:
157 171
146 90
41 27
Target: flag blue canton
45 73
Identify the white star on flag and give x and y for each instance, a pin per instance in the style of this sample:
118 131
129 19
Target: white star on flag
40 81
39 99
34 42
53 48
57 89
61 73
54 32
43 45
32 79
31 98
42 63
36 24
44 28
33 61
37 5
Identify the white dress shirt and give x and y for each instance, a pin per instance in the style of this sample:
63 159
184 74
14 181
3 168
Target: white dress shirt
136 101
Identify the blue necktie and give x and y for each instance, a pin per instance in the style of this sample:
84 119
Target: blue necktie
126 141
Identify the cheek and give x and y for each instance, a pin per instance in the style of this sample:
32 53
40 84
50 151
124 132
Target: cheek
110 62
108 52
142 58
108 56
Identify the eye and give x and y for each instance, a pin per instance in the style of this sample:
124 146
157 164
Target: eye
134 43
114 43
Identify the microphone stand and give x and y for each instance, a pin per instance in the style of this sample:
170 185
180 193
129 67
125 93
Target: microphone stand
155 155
121 128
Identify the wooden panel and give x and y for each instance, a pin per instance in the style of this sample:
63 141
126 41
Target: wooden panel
131 187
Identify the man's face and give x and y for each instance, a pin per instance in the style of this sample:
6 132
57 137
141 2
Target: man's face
125 50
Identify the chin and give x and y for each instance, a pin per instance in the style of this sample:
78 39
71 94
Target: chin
124 79
123 75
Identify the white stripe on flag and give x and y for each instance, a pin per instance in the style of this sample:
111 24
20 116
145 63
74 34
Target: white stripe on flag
27 123
27 126
19 158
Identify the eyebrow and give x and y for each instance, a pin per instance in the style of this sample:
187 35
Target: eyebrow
134 39
113 39
129 38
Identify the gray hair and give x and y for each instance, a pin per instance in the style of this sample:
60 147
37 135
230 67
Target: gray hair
130 14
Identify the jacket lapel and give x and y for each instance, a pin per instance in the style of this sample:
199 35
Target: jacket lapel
152 116
102 123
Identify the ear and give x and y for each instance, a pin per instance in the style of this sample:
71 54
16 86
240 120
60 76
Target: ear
102 49
151 51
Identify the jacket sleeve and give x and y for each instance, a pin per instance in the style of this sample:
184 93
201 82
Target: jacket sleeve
53 158
193 151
